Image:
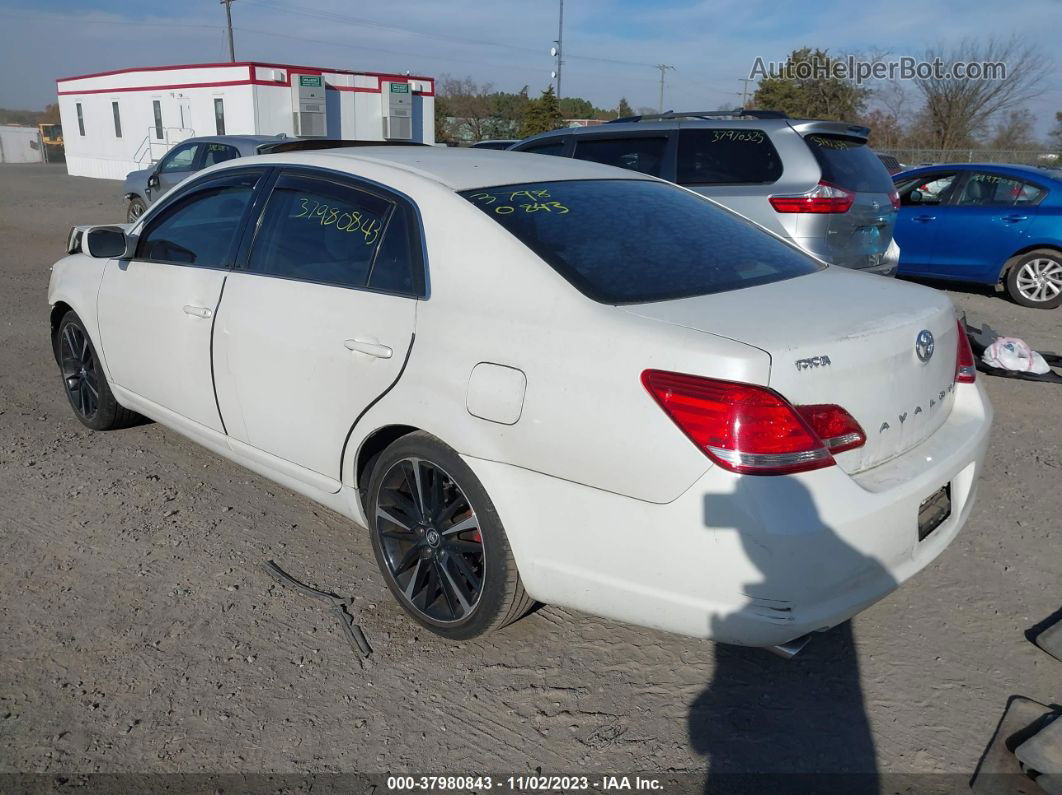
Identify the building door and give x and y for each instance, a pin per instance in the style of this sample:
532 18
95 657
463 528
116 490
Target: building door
184 115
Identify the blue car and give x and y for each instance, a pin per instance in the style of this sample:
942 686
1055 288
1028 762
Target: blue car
988 224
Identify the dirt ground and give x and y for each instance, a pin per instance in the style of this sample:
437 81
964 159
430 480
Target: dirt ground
138 631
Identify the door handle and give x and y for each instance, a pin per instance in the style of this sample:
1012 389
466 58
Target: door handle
198 311
369 348
1013 219
924 218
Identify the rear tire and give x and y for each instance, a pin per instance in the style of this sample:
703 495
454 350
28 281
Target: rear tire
439 542
85 384
135 210
1035 279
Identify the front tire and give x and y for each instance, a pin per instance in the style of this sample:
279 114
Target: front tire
135 210
1035 279
85 384
439 542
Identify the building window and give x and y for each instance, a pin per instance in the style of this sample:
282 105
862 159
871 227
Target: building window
80 120
117 120
156 106
219 115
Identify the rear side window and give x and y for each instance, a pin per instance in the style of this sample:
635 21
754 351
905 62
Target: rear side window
319 231
645 155
219 153
555 147
727 157
199 229
985 190
849 163
634 241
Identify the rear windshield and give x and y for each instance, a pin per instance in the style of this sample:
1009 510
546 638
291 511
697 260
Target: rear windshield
635 241
849 163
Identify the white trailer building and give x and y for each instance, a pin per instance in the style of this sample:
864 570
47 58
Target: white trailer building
20 145
120 121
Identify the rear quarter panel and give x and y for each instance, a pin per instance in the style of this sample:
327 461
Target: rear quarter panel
585 417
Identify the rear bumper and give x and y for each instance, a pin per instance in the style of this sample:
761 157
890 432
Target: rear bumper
755 561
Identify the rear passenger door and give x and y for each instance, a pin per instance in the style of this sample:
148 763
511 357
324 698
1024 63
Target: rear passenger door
317 318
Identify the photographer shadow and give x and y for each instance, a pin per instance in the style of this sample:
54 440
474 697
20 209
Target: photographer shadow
768 724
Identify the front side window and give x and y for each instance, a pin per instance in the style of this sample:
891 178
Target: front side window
80 119
200 228
927 189
994 190
637 153
181 159
319 231
156 109
635 241
117 120
727 157
218 153
219 115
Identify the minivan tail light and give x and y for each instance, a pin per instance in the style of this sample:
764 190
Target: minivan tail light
751 429
823 198
965 367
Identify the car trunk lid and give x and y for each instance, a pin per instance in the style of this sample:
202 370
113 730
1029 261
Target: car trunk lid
842 337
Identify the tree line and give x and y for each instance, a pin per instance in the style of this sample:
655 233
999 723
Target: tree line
934 112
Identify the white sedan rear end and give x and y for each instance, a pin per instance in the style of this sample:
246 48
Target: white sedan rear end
540 379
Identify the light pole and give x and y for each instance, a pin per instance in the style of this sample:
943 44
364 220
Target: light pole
228 19
559 49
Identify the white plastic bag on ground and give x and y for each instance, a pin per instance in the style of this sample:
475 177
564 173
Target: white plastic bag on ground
1011 353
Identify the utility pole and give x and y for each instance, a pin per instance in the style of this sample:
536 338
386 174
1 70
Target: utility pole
560 47
663 67
745 91
228 19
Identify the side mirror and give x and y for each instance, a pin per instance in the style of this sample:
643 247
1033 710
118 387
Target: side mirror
105 242
153 181
915 197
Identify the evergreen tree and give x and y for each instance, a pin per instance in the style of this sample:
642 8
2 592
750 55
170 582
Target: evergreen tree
542 114
624 108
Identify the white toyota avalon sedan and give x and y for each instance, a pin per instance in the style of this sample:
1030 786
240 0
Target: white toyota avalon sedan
539 379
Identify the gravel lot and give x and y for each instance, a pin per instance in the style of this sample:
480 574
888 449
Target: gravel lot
139 632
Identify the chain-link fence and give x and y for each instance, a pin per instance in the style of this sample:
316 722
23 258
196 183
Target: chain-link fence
1030 157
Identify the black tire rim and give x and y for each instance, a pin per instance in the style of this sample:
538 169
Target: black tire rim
79 371
136 209
431 541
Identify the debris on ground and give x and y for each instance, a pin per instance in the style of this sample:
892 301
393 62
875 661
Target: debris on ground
340 606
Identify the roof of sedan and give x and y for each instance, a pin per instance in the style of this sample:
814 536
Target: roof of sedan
1043 172
462 168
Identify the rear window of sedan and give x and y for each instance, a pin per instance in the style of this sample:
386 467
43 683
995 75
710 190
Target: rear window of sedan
636 241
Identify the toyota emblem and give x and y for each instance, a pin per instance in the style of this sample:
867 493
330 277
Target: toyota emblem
924 345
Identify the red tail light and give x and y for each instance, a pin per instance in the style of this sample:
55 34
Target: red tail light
965 367
823 198
894 197
752 429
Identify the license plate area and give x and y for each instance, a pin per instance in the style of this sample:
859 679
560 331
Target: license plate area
933 511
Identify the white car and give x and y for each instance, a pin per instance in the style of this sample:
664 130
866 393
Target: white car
539 379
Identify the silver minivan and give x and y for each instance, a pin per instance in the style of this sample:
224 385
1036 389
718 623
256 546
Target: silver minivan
816 183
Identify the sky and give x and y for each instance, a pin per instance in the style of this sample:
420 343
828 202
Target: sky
611 47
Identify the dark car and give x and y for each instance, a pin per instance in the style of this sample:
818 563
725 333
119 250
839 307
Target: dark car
144 186
984 223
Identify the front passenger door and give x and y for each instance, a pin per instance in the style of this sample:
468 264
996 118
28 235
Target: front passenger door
317 321
156 310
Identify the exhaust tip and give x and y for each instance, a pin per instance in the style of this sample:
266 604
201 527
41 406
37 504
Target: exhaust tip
790 649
